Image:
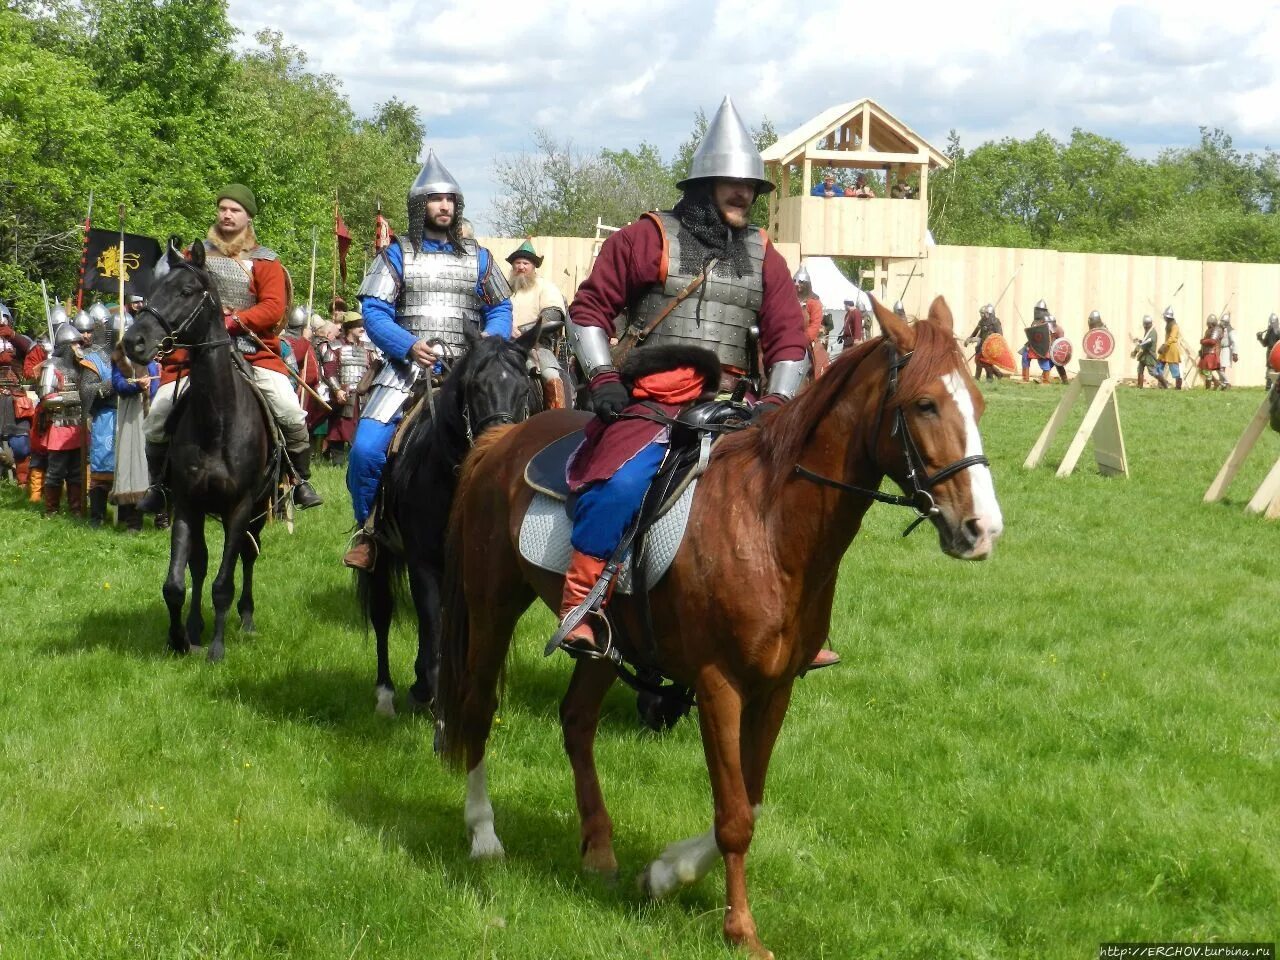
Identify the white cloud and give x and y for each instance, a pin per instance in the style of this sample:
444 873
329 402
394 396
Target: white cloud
484 74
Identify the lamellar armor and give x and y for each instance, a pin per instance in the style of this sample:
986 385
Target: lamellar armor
353 362
720 315
233 277
59 386
435 300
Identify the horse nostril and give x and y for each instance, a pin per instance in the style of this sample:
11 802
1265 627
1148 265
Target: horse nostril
974 530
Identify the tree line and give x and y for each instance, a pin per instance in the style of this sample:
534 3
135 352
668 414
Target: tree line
148 104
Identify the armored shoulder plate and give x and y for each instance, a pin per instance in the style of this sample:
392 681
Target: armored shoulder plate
263 253
494 284
380 280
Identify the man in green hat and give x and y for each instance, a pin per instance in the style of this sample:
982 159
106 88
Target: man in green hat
533 298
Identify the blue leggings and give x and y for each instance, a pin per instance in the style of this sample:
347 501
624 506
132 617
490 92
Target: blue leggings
605 510
365 462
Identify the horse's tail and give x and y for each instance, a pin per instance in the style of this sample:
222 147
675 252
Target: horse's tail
456 679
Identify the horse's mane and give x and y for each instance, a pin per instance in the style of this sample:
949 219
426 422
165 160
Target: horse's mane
776 447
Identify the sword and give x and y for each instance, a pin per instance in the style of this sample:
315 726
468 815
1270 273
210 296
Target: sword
48 316
296 379
1007 286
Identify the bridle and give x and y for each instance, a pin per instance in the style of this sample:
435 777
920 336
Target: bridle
918 476
170 341
473 430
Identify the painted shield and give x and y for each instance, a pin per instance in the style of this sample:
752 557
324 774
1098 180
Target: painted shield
1273 358
1039 338
1060 351
996 352
1098 344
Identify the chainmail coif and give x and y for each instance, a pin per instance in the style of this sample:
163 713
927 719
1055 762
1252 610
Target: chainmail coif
700 221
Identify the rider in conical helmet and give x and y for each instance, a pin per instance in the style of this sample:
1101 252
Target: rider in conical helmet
418 297
673 347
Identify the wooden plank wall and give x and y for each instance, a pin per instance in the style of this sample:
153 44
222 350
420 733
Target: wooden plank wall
1122 288
853 227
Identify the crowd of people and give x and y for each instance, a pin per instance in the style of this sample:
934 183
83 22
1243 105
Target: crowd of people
830 188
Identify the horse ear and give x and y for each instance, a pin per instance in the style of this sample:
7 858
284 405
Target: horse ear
175 251
197 254
529 339
901 333
471 335
940 314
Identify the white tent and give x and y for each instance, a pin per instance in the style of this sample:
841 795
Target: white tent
833 288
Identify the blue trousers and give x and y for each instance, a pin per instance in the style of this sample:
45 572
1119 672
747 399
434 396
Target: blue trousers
365 462
606 509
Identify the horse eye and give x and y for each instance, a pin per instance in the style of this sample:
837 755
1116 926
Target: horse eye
925 405
189 290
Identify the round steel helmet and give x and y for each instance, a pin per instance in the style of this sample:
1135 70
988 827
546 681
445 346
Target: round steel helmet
1050 318
1225 319
727 151
899 309
6 315
84 322
113 323
1146 320
99 312
989 309
1041 305
297 317
1095 315
1168 313
65 333
1212 320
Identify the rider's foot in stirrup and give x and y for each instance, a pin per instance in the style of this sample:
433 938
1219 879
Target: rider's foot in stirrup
361 555
305 496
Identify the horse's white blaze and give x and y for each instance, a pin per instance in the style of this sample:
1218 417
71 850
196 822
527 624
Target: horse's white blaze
478 815
683 863
981 484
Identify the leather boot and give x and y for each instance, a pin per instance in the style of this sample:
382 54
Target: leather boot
304 497
20 473
584 570
1141 378
1177 383
52 497
1044 377
363 552
35 484
154 500
97 506
75 499
1026 374
131 517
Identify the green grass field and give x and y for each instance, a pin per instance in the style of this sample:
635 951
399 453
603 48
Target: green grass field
1075 742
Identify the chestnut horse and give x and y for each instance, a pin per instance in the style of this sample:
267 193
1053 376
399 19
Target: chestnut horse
747 600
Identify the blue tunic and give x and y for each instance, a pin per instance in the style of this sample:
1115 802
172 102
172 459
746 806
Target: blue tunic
102 424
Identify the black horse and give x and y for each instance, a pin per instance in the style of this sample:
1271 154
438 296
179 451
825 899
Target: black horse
488 385
220 451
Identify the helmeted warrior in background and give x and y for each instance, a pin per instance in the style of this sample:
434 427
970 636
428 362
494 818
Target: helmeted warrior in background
1269 338
135 385
1095 321
1227 356
533 298
1144 351
418 297
254 289
988 323
98 406
344 371
305 363
60 418
813 315
32 366
1040 318
639 285
1169 356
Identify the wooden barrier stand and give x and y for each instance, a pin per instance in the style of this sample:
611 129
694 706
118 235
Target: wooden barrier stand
1266 500
1101 422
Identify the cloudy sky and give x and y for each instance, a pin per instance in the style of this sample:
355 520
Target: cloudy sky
484 74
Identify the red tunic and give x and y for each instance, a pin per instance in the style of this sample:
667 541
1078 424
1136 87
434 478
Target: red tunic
813 328
628 263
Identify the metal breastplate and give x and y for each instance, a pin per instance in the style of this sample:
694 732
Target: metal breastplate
352 363
232 278
719 315
438 297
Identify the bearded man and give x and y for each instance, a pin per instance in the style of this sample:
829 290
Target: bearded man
417 299
534 298
254 289
643 277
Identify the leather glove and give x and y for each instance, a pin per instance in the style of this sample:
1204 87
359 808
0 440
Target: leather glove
608 396
766 404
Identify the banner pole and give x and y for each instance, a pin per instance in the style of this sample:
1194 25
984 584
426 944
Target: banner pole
84 253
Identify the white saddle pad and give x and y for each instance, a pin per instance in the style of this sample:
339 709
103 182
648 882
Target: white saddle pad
544 538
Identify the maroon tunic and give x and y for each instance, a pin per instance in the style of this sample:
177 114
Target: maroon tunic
629 262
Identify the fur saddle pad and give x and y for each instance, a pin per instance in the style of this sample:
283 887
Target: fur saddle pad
544 538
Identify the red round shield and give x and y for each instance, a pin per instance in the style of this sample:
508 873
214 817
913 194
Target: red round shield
1060 351
1273 358
1098 344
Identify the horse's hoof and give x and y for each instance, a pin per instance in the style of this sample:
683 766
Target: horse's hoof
216 653
602 864
247 626
180 650
415 704
386 702
485 845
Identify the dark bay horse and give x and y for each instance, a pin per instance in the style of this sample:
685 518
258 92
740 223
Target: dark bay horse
488 385
219 449
747 601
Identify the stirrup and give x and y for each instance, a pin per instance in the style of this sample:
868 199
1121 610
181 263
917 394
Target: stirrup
559 639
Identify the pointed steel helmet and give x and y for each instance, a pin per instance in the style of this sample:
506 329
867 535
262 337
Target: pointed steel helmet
899 309
432 178
727 151
1041 305
1225 319
64 333
989 310
1168 313
802 276
84 322
1273 320
99 312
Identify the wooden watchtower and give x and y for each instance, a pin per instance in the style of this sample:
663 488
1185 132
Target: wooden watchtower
851 137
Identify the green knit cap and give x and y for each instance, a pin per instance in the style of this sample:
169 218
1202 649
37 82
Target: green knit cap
241 195
526 252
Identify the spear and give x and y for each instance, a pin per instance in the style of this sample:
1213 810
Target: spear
1008 285
311 284
120 213
84 252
